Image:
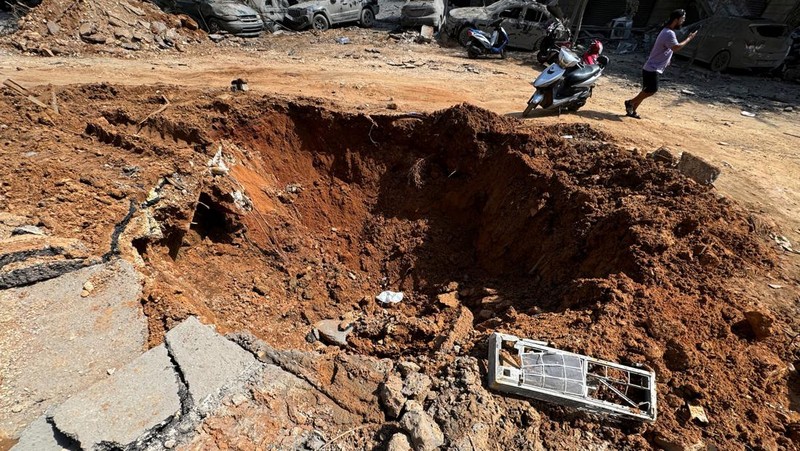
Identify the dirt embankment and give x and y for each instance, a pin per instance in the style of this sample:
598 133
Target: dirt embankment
598 249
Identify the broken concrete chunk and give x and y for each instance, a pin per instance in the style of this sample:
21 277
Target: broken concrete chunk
697 413
399 442
158 28
416 386
331 333
760 322
27 230
391 396
207 360
697 169
407 368
53 28
425 433
123 33
124 408
86 29
663 155
41 436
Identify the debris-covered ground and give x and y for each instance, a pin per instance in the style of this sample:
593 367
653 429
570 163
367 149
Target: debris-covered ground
280 213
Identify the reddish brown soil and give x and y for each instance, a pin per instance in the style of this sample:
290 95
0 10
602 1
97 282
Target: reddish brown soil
596 248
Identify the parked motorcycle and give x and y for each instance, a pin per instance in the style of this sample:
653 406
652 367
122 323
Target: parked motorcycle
557 37
566 84
482 43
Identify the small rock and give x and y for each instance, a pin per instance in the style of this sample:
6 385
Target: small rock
678 357
399 442
391 396
761 323
17 408
663 155
86 29
216 37
674 444
158 28
111 371
697 169
329 332
448 299
96 38
238 399
698 414
392 106
788 109
123 33
407 368
171 36
130 46
425 433
416 386
53 28
169 444
88 286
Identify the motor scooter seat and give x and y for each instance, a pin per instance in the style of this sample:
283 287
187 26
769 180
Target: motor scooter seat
582 74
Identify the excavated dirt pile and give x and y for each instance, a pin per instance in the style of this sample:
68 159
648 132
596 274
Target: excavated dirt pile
271 215
75 27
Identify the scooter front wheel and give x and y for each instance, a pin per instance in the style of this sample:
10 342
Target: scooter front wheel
528 110
473 52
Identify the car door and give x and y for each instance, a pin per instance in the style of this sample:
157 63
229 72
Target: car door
532 28
335 10
511 22
351 10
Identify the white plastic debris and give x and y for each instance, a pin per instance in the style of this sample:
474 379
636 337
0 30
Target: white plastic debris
390 297
748 114
217 164
532 369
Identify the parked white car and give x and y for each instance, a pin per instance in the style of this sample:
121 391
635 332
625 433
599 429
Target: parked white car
416 13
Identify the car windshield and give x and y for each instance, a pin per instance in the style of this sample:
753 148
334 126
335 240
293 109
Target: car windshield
501 5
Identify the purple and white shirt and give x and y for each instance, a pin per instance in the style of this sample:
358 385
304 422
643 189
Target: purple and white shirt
661 54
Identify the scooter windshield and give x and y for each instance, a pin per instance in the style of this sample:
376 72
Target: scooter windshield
566 58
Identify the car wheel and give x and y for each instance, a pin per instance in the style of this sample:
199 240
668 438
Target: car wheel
720 61
320 22
213 26
463 36
367 18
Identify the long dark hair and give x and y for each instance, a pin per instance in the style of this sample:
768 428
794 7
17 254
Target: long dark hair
677 14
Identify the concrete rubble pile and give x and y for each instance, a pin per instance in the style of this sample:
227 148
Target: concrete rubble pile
64 27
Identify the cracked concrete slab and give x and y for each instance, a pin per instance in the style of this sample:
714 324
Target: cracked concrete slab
207 360
126 408
56 343
42 436
26 259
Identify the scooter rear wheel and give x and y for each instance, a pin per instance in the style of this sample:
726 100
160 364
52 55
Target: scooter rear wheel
473 52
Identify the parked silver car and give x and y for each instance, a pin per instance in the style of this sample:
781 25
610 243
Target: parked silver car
321 14
416 13
525 22
218 15
737 43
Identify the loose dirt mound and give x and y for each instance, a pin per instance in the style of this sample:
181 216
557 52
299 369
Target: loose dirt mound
57 27
577 241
